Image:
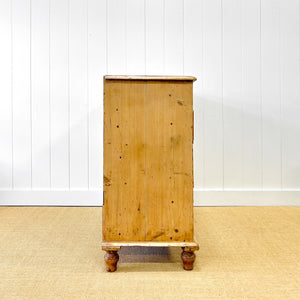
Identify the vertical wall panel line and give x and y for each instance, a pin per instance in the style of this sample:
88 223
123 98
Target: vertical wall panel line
202 88
30 90
50 139
222 87
106 36
69 100
280 92
164 35
260 92
242 39
125 36
87 95
183 37
12 94
145 51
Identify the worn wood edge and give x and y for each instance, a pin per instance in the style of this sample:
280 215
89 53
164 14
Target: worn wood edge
116 245
148 77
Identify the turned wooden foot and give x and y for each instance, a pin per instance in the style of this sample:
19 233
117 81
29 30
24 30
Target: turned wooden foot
111 259
188 257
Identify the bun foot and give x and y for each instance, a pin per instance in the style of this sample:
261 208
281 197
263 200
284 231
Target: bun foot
111 259
188 257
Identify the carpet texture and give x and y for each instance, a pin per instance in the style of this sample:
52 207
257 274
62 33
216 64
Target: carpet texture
245 253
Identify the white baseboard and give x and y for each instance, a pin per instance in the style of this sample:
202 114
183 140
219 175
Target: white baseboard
51 198
246 197
201 198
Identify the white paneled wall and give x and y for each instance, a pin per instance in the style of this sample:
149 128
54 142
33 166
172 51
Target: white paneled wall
245 54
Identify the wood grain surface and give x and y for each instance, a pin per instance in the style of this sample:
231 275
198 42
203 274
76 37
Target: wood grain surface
148 160
149 77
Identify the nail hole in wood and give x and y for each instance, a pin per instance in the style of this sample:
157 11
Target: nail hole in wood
117 126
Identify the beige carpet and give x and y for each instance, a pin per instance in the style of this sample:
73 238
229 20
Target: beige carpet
245 253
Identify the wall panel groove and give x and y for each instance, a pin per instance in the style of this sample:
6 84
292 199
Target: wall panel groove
6 110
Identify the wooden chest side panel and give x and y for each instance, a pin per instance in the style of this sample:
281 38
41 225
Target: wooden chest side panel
124 161
169 161
148 161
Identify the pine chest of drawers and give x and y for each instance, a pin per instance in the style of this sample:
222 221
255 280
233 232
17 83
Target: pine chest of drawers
148 165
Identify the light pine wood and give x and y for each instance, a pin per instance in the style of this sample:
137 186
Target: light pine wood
148 162
148 77
169 159
116 246
124 161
